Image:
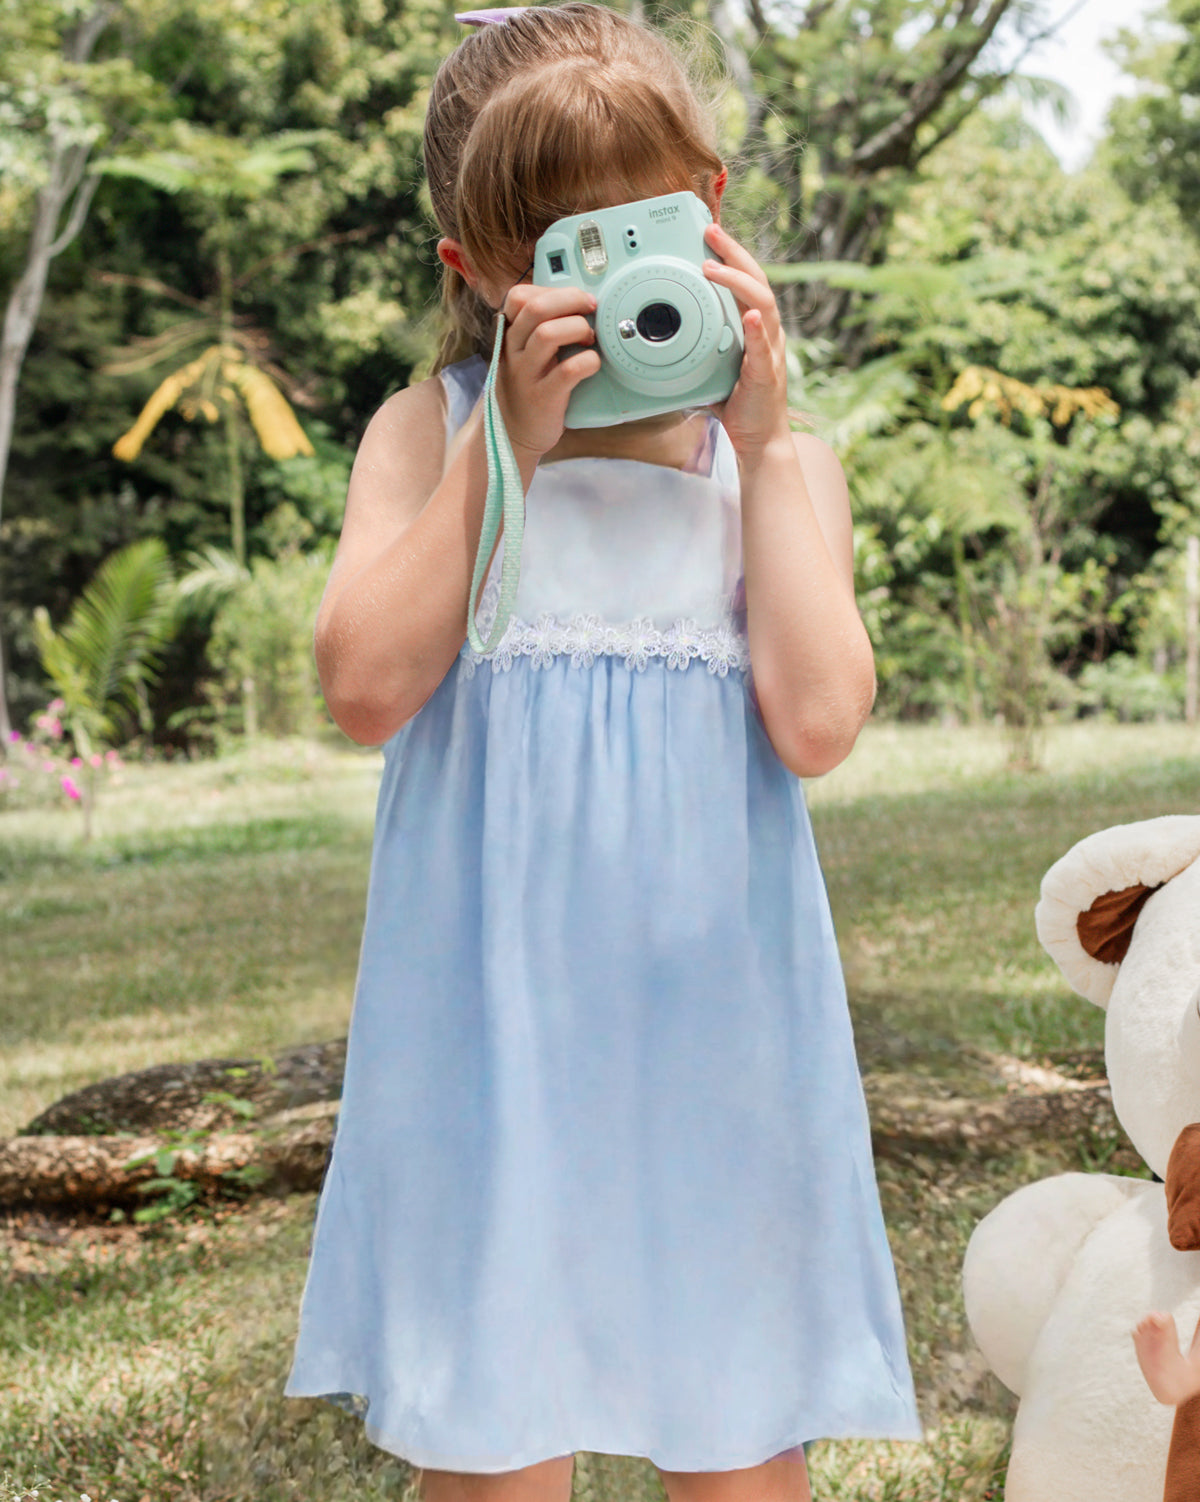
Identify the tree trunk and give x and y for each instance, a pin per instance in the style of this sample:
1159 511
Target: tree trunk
74 1153
173 1095
89 1173
986 1127
292 1148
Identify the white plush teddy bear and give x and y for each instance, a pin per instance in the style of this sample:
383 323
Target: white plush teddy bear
1060 1273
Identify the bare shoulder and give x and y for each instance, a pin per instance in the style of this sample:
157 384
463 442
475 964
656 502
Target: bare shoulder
417 412
397 468
399 461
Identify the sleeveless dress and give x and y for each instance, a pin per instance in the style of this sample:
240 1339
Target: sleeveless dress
602 1174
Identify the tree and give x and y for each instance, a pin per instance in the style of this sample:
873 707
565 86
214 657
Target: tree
1154 140
343 275
1002 261
54 44
845 102
233 370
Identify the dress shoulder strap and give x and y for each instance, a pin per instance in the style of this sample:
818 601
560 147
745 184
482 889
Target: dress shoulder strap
463 383
724 459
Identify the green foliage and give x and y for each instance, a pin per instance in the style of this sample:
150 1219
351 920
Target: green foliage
870 141
262 634
173 1194
996 558
102 659
1130 689
1155 135
854 94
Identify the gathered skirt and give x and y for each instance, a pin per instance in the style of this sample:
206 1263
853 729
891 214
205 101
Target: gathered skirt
602 1175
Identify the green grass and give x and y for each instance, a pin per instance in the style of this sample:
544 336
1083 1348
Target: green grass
933 888
218 912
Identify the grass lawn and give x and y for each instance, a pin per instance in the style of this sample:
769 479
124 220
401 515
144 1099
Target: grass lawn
218 911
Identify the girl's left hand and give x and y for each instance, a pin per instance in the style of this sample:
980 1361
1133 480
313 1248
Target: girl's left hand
756 409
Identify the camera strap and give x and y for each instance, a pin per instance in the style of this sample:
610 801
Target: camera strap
505 498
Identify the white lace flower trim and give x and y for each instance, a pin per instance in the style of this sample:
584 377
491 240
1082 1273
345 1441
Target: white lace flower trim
585 637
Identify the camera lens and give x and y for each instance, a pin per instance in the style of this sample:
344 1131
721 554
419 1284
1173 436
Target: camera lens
658 321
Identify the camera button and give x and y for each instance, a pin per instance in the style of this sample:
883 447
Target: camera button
725 341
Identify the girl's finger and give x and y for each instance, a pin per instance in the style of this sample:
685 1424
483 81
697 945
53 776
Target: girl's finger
721 241
747 292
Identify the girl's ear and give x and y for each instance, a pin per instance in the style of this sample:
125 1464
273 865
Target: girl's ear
450 253
718 188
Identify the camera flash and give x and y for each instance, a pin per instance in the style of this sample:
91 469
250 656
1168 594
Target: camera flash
591 246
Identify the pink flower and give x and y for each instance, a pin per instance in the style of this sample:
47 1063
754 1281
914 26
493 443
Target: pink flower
71 790
113 759
47 766
14 736
95 759
56 706
77 761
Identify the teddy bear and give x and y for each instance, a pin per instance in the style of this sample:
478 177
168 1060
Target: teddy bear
1057 1278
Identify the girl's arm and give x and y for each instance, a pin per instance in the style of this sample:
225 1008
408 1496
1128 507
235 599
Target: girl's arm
814 672
394 614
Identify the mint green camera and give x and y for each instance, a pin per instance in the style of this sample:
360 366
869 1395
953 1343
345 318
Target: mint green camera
667 337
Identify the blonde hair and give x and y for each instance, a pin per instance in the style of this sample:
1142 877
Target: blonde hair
547 115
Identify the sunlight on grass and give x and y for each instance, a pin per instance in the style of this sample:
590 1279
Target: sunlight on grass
253 782
891 760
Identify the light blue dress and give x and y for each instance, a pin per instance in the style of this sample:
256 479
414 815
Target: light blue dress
602 1174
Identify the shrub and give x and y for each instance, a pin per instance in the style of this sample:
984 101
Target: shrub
265 677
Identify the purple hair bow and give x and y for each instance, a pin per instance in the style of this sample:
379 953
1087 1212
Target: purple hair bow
490 17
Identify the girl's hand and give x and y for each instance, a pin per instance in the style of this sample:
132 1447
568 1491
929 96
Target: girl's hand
755 411
532 385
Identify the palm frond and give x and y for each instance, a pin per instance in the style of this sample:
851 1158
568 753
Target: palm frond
129 445
277 426
969 496
70 679
112 642
856 404
168 171
918 279
141 354
1035 89
212 576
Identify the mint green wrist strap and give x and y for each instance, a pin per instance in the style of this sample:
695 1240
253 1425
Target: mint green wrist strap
505 496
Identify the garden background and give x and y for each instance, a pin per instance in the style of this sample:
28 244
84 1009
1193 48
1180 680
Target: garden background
218 258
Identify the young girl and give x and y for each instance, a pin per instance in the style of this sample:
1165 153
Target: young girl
602 1177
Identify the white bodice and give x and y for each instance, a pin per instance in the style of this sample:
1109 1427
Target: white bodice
624 540
621 557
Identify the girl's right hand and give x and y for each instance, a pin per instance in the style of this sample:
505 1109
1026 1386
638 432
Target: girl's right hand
532 385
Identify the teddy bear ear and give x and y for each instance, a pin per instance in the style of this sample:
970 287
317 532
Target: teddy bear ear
1092 897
